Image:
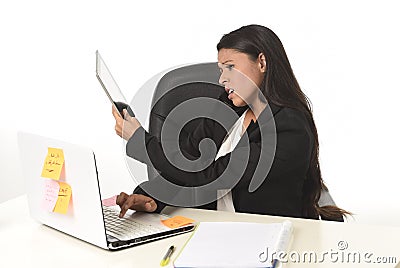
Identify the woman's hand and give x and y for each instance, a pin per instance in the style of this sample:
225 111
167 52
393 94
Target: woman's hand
125 128
136 202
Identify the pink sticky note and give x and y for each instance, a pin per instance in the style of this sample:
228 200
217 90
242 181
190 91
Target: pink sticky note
111 201
51 189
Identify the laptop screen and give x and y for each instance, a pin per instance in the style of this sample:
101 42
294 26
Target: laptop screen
83 217
78 209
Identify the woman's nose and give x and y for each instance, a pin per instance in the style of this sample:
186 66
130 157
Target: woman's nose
222 79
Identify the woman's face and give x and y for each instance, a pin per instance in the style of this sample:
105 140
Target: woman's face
241 75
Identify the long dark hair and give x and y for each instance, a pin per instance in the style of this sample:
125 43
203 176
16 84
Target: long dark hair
281 88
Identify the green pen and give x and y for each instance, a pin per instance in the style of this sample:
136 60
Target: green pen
167 256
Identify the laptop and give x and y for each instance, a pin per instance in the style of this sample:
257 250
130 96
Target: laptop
84 216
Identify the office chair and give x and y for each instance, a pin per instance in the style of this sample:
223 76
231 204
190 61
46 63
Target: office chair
184 83
326 199
179 85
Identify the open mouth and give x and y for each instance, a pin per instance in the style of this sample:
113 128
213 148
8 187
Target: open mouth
229 90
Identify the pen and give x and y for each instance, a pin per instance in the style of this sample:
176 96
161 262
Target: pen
283 240
167 256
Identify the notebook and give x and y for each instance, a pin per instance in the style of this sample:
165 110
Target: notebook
67 197
234 244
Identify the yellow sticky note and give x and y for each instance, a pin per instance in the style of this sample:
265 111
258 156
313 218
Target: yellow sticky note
64 196
53 164
177 221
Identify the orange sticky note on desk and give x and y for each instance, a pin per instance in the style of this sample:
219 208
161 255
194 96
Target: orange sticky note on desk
64 196
177 221
53 164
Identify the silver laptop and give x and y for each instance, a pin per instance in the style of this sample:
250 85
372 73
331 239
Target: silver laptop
84 216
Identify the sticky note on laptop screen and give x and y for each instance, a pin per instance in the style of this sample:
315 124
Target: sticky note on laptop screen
50 196
64 197
111 201
53 167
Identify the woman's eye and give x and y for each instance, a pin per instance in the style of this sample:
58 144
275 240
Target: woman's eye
227 66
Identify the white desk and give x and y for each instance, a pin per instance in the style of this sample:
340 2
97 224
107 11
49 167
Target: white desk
26 243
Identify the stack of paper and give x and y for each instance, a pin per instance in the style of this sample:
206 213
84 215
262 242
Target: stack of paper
230 244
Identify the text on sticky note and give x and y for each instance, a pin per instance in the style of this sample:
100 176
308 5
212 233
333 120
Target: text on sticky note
53 164
64 196
50 196
177 221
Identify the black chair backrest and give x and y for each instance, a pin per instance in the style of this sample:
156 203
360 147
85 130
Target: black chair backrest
179 85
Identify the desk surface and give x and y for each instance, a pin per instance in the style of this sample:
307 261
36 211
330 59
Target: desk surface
26 243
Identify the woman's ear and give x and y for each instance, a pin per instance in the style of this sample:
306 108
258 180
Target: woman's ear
262 62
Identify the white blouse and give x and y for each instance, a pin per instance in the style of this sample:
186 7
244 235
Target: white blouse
224 196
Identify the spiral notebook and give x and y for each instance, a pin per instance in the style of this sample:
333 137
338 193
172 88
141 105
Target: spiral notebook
234 244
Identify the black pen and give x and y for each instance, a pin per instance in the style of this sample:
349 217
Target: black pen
167 256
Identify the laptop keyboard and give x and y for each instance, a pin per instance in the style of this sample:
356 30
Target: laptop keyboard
126 228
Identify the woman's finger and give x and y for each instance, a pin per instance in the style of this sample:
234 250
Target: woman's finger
118 129
127 116
115 113
128 203
121 198
138 202
144 203
150 206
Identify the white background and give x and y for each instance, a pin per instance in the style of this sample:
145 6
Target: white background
345 55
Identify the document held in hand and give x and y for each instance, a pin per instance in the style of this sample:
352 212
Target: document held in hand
235 244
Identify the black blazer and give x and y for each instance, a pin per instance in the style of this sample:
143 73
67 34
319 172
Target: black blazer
281 192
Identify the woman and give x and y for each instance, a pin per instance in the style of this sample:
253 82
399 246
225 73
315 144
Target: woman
293 184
